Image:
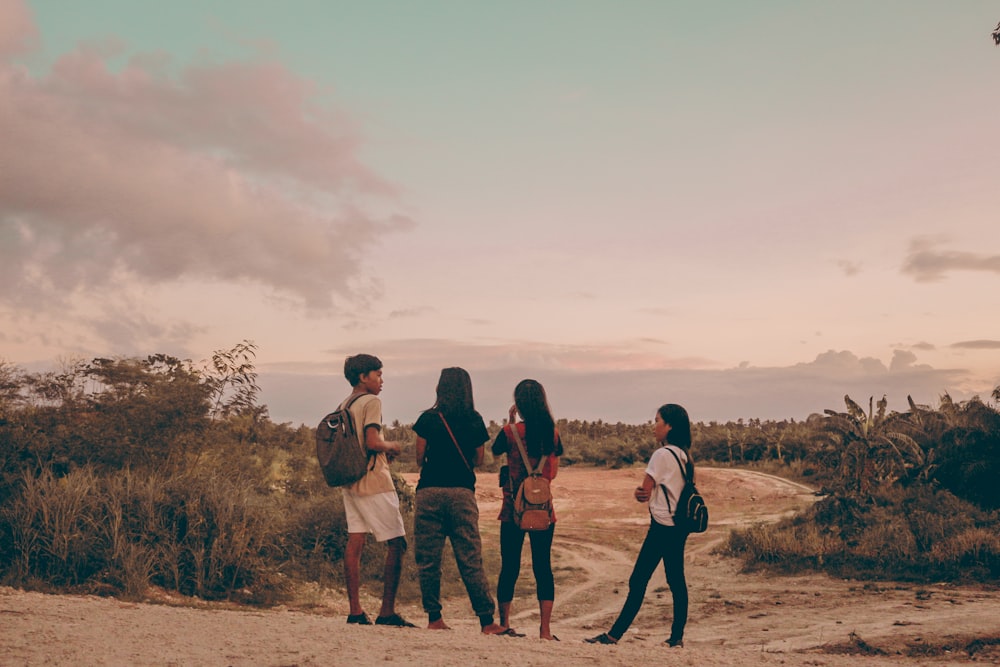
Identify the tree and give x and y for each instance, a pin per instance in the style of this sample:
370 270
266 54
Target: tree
233 380
873 450
996 35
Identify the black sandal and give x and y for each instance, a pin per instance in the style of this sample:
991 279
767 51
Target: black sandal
395 621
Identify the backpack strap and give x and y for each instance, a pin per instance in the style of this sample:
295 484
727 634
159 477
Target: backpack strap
524 453
684 472
683 468
346 405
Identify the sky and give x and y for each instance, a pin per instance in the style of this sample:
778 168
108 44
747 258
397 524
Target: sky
750 209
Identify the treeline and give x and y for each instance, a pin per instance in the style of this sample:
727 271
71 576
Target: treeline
118 474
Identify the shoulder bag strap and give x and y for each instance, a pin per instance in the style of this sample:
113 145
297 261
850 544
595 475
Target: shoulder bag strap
524 453
683 470
346 405
460 452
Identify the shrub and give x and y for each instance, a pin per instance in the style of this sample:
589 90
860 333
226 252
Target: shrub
917 534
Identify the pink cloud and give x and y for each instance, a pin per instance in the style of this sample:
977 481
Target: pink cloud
18 33
223 171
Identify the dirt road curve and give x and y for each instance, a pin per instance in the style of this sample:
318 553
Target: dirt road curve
735 619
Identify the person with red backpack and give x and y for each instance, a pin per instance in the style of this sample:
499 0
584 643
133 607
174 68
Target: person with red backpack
532 447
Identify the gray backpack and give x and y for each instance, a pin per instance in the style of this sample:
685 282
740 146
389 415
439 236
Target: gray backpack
342 457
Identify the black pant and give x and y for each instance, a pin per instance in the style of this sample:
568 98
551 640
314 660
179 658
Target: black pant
511 543
666 544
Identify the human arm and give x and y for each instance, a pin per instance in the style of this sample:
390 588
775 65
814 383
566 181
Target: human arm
421 451
554 461
500 445
374 442
644 493
480 451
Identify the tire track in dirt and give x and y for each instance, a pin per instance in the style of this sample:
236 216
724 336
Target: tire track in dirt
585 574
597 539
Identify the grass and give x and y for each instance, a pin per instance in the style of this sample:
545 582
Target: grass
985 647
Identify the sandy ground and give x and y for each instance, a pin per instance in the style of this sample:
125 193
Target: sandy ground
735 618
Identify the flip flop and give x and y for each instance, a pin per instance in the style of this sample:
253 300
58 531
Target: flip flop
395 620
511 632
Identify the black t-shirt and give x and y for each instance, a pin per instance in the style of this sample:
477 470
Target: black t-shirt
443 466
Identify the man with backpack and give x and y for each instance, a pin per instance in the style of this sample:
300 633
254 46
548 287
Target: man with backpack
371 504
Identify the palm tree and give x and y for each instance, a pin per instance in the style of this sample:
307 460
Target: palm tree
873 451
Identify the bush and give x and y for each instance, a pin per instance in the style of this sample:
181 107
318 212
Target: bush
198 533
917 534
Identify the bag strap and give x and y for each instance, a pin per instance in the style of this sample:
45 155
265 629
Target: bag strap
683 470
460 452
346 405
524 453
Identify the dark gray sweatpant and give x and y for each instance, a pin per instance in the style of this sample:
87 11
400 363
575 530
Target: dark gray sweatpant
445 512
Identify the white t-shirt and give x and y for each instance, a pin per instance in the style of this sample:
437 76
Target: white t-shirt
664 470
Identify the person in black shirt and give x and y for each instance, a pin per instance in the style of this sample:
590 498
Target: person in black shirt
450 440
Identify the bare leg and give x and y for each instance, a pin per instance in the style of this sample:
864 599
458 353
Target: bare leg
545 611
390 578
352 570
505 614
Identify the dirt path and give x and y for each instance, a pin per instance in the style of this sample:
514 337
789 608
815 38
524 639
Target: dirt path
735 618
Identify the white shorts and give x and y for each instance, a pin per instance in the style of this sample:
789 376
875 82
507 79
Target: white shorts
377 514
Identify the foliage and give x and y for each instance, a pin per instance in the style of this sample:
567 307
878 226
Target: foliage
916 534
876 451
117 474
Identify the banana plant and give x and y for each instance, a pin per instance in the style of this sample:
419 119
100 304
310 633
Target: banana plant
874 449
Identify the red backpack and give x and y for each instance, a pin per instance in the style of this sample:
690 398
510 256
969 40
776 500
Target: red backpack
533 499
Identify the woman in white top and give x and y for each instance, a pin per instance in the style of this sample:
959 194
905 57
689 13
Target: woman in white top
664 542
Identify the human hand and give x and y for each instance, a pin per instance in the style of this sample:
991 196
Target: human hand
642 495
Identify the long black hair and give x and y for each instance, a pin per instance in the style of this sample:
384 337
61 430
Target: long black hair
680 429
454 392
539 426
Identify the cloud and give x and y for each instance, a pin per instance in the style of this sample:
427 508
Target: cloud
977 345
230 172
432 354
927 264
18 33
406 313
902 360
849 268
615 393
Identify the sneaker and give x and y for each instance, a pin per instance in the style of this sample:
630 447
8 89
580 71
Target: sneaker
675 643
603 638
395 620
359 619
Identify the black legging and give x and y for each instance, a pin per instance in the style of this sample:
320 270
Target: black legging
511 542
666 544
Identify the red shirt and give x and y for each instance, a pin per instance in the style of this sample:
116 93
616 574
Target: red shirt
505 443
